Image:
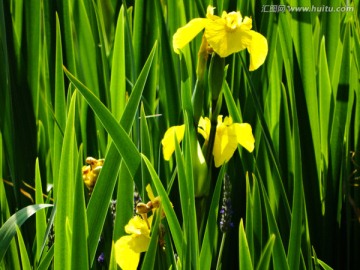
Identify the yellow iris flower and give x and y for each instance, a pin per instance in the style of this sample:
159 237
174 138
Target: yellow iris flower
129 247
227 137
227 34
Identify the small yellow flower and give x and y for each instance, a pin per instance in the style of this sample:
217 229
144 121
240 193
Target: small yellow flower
227 34
129 247
227 137
168 142
91 172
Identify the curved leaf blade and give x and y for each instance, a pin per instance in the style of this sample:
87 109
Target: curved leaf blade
8 230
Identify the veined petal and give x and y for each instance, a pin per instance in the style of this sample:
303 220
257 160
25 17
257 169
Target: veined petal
244 136
188 32
204 127
126 257
258 50
168 142
225 41
225 144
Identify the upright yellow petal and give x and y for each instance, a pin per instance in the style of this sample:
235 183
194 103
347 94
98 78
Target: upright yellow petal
138 226
204 127
168 142
258 50
225 144
226 41
126 257
150 192
244 136
188 32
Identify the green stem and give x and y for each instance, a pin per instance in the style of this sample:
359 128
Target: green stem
221 251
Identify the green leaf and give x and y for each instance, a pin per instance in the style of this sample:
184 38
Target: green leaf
47 259
264 261
301 31
210 240
79 255
124 145
124 201
279 258
244 251
118 76
60 106
112 261
64 199
25 262
150 255
173 222
8 229
33 38
296 228
106 181
40 217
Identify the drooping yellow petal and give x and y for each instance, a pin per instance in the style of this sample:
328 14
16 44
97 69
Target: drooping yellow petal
225 143
227 35
126 257
139 243
188 32
168 142
204 127
258 50
244 136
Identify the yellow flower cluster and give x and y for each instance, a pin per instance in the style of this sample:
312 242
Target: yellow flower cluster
91 172
227 34
227 137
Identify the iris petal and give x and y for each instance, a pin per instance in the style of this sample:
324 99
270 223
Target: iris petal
244 136
137 225
139 243
188 32
225 144
225 41
168 141
258 50
126 257
204 127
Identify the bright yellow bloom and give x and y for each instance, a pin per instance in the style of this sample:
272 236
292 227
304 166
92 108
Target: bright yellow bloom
168 142
227 137
227 34
129 247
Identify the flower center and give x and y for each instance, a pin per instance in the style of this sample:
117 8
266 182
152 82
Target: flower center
233 20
